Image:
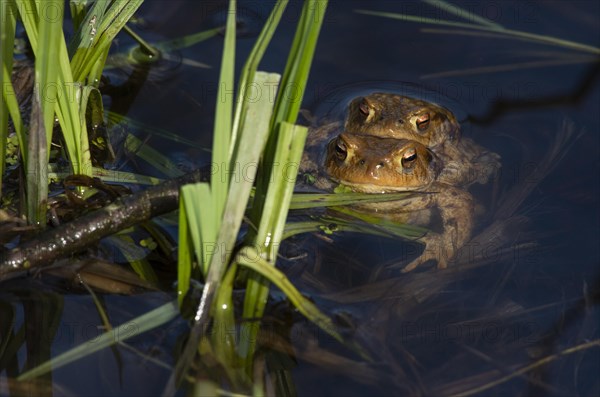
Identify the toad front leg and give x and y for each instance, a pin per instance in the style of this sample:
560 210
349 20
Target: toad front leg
456 208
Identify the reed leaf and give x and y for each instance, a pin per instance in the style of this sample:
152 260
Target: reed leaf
249 69
284 148
185 255
219 183
290 144
67 104
115 17
251 258
45 94
252 139
316 200
7 38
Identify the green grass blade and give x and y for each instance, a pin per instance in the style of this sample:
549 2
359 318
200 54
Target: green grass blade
294 79
67 104
69 117
191 195
271 189
10 101
361 223
115 17
203 221
247 152
7 38
316 200
288 152
95 74
45 95
223 117
224 332
298 65
253 259
152 319
184 255
86 31
78 11
249 69
91 108
252 138
37 164
30 19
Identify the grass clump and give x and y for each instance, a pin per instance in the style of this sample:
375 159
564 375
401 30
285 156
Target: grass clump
64 80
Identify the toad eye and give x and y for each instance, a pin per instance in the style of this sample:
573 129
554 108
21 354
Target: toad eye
409 158
341 150
364 107
422 121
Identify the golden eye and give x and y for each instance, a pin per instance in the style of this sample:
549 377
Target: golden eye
409 158
364 107
341 150
423 121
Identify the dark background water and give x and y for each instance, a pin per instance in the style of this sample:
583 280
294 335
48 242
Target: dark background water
516 112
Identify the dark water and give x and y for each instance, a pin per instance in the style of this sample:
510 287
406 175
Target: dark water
430 334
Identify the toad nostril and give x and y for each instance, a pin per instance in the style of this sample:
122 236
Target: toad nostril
362 162
380 165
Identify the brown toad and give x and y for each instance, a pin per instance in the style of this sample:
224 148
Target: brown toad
392 143
395 116
371 164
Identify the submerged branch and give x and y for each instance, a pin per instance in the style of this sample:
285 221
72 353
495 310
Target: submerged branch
74 236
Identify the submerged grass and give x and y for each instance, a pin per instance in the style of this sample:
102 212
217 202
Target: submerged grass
478 23
121 333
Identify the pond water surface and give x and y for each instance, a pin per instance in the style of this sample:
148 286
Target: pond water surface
431 332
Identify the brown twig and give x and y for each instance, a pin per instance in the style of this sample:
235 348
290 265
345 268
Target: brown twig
74 236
